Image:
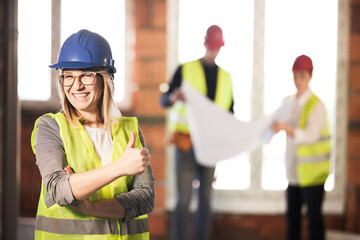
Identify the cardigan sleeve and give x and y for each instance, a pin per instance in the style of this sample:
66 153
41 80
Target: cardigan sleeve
50 159
140 199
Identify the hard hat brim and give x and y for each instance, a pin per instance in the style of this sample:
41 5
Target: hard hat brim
80 65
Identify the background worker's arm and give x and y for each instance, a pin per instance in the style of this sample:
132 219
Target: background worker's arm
279 126
167 99
314 125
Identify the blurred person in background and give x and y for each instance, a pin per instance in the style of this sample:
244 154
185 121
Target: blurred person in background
215 83
308 150
97 182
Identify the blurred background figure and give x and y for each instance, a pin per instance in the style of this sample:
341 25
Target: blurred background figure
308 150
215 83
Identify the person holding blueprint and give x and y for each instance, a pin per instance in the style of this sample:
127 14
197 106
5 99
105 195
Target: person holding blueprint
214 84
308 150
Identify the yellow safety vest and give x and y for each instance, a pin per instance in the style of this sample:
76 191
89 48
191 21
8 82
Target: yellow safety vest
57 222
193 73
313 160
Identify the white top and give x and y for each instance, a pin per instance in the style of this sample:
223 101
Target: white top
310 134
102 143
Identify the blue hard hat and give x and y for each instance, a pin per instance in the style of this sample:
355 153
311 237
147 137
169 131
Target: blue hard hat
85 49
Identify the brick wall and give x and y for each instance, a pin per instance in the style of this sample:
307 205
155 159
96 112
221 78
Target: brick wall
352 215
2 87
30 180
149 72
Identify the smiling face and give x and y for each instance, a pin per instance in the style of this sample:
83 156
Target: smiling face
84 98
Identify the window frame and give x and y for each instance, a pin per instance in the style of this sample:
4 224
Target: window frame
53 102
255 199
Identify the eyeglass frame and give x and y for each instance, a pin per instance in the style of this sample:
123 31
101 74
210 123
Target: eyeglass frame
95 74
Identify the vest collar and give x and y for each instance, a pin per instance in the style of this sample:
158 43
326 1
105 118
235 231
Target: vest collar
304 97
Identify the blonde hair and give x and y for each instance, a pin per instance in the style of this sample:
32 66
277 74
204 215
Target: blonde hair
109 112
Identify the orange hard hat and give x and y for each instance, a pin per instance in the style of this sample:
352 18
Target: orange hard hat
303 63
214 37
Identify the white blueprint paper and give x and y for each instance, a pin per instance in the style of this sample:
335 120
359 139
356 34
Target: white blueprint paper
217 135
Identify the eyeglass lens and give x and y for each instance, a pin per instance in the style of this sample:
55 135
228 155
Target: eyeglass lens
85 79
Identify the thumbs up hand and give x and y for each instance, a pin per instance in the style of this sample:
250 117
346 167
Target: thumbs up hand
134 160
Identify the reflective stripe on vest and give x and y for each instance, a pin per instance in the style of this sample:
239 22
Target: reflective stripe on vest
91 227
193 73
313 160
53 221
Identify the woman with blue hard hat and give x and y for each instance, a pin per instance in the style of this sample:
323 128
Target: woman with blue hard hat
97 182
308 149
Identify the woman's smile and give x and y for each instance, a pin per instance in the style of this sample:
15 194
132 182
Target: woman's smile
80 96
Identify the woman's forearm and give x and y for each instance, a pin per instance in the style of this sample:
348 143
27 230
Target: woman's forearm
140 199
86 183
108 208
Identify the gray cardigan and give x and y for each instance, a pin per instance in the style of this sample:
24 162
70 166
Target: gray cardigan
50 159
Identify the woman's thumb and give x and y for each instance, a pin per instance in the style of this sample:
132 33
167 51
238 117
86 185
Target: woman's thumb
132 139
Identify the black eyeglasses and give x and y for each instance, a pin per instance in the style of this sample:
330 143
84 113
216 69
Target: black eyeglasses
68 79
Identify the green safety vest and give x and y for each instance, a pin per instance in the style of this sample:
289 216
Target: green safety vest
60 222
193 73
313 160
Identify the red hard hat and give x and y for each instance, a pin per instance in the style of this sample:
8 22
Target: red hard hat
214 37
303 63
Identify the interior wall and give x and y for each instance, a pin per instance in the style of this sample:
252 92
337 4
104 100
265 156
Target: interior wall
352 214
150 69
2 77
9 121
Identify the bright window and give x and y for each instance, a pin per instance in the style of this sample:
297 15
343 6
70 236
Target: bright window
303 32
236 20
34 49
